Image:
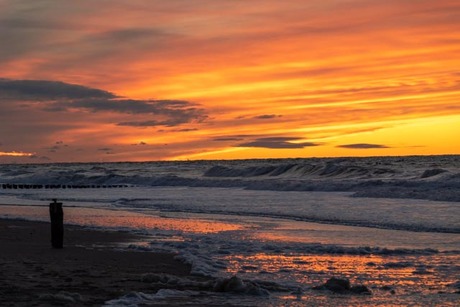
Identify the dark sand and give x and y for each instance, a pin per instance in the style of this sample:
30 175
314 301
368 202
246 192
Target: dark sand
88 267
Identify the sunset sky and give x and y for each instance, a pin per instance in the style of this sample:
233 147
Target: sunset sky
138 80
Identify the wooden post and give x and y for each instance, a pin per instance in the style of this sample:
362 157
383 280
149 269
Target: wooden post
57 224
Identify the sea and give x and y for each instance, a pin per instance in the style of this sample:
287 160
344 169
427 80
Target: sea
269 232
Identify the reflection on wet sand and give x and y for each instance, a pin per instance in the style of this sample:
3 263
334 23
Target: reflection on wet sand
384 275
121 219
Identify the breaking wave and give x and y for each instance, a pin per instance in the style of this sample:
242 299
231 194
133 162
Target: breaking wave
433 178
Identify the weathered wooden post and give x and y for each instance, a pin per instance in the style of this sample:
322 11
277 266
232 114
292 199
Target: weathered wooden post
57 224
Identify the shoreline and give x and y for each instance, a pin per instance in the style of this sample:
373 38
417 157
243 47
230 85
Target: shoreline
87 271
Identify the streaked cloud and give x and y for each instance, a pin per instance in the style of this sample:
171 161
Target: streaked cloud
236 137
226 139
267 116
141 143
363 146
277 142
105 149
62 97
48 90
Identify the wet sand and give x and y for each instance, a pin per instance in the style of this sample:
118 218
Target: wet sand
89 270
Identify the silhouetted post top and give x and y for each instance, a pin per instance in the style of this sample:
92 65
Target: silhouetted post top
57 224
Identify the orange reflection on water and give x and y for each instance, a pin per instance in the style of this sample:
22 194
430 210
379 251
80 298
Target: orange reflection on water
403 273
149 222
120 219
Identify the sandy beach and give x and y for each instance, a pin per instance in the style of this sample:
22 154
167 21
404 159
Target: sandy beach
89 270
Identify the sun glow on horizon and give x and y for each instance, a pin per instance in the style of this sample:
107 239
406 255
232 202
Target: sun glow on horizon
15 154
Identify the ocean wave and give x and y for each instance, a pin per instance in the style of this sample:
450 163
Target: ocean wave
433 178
301 170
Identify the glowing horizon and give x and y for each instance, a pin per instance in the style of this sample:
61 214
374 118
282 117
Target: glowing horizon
15 154
214 79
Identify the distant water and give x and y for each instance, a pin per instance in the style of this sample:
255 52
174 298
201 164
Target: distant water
389 223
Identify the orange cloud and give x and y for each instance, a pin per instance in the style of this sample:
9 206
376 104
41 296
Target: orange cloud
324 72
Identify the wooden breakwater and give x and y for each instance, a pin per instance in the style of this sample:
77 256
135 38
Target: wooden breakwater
27 186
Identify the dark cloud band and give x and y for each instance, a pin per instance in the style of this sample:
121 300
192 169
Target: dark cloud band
363 146
278 143
48 90
55 96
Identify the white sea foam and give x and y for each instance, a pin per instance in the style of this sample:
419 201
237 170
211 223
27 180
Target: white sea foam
218 287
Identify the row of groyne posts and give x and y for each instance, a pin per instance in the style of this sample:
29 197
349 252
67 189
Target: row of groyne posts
16 186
